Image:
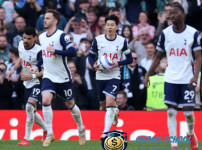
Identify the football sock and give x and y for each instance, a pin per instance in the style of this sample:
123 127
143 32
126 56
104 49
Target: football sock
172 123
109 118
189 115
29 120
48 117
75 111
38 120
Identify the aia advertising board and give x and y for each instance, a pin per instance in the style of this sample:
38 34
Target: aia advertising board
135 123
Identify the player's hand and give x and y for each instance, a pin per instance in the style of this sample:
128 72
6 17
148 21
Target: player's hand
77 78
26 77
146 80
10 74
50 49
193 83
97 67
34 69
115 64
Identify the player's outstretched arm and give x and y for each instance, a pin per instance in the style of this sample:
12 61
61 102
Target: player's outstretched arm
155 63
16 66
193 81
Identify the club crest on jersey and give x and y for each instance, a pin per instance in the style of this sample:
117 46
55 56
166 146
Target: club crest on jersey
177 52
115 56
46 54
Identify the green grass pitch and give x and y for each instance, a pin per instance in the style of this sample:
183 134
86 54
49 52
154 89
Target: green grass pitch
90 145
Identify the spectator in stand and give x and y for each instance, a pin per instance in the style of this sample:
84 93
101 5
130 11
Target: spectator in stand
150 50
16 36
121 101
101 26
155 91
111 4
3 30
86 71
96 5
40 22
18 88
138 44
164 20
143 22
83 9
30 11
78 34
127 33
3 16
4 49
80 87
122 19
92 19
9 9
132 79
6 89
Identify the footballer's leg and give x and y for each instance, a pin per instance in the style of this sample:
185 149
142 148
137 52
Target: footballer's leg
172 99
38 120
48 116
30 106
75 111
65 90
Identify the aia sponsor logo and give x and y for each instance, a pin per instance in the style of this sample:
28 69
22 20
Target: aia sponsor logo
46 54
177 52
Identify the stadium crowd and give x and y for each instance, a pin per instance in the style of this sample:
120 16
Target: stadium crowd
141 23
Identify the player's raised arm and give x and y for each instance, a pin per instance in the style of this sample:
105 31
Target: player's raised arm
68 47
16 66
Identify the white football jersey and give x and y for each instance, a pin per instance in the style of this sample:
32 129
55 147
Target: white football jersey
179 48
55 66
29 58
113 49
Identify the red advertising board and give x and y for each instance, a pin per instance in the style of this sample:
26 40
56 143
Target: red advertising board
135 123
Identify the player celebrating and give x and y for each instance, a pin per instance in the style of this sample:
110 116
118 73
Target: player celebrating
179 42
29 53
56 45
108 81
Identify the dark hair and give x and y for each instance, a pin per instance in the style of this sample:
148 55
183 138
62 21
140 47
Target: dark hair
14 50
52 5
94 11
3 64
131 33
150 42
2 8
145 14
115 9
30 31
83 1
178 5
112 17
123 93
55 13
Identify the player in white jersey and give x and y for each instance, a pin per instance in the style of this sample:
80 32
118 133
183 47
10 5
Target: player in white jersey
29 53
179 42
108 81
56 45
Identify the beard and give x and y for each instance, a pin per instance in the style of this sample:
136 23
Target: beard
3 48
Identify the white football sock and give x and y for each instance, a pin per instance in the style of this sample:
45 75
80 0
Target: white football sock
38 120
189 115
172 123
109 118
75 111
29 120
48 118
